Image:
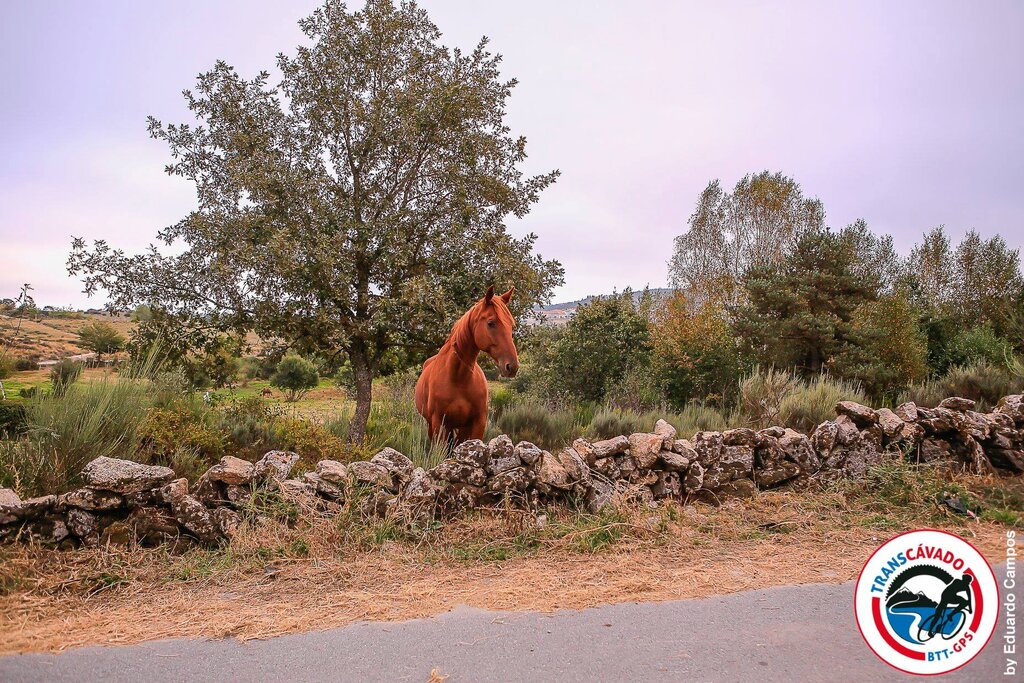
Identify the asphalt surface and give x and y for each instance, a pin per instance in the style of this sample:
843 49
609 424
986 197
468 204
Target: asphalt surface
793 633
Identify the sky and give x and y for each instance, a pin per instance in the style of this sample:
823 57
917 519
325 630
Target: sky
906 114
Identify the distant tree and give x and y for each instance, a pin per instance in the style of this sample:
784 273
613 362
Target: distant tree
888 350
872 257
63 375
755 226
296 375
100 338
355 209
799 312
602 340
695 352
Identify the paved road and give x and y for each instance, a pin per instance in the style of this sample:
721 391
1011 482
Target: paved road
795 633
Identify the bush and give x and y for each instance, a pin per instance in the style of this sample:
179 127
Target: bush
981 382
181 438
978 345
296 375
23 364
761 394
813 401
609 422
539 424
12 420
695 417
63 375
636 390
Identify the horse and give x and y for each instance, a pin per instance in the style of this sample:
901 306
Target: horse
451 393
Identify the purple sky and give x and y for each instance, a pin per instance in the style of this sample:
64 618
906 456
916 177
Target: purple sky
908 114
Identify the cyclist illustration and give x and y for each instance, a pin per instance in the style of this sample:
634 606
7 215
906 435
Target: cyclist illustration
950 608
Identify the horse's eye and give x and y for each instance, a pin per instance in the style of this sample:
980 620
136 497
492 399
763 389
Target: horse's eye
491 323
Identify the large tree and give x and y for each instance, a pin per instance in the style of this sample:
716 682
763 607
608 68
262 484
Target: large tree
356 207
756 225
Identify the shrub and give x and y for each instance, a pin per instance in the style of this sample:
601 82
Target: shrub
63 375
22 364
977 345
980 382
538 423
180 436
12 419
695 417
636 390
296 375
813 401
761 394
609 422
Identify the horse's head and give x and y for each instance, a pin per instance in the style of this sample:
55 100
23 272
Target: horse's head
492 331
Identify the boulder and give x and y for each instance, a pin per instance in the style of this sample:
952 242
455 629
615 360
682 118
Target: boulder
957 403
502 455
890 422
608 447
226 521
8 497
674 462
124 476
370 474
394 462
195 518
667 485
420 492
796 447
600 495
27 509
741 436
209 493
90 499
666 431
645 448
232 470
552 475
275 466
693 480
1012 406
174 491
84 525
517 479
146 525
327 489
454 471
472 452
607 468
528 453
775 473
907 411
332 471
862 415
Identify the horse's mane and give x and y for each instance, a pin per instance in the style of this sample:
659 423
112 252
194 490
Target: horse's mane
457 339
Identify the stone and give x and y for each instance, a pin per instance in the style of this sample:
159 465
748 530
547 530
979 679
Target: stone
502 455
574 466
146 525
907 411
773 432
776 473
796 447
645 448
8 497
420 492
824 437
608 447
552 475
370 474
957 403
934 450
528 453
890 422
684 447
174 491
49 529
608 468
693 480
975 425
667 485
509 480
195 518
323 487
299 492
1012 406
458 496
454 471
600 495
209 493
90 499
226 521
239 496
738 459
666 431
472 452
84 525
1007 459
27 509
124 476
275 465
740 436
143 499
232 470
939 421
862 415
674 462
395 463
332 471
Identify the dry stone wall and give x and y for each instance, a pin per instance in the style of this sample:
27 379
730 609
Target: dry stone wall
123 501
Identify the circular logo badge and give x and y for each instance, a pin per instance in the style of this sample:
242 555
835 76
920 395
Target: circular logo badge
926 602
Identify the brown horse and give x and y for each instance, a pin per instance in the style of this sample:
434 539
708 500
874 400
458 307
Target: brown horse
451 393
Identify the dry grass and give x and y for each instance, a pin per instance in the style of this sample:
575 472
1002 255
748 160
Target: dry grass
53 337
322 573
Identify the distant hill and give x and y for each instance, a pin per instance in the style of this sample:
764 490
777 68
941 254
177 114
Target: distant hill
559 314
906 598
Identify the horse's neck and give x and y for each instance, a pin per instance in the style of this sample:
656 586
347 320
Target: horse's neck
462 346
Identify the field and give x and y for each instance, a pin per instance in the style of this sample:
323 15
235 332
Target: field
46 337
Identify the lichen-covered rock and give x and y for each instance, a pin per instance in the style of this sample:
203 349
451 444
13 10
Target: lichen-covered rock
84 525
796 447
528 453
195 518
693 480
1013 406
674 462
146 525
552 475
667 485
8 497
232 470
907 411
209 493
226 520
607 468
332 471
607 448
575 467
90 499
502 455
275 466
124 476
421 492
49 529
394 462
741 436
776 473
299 492
517 479
323 487
862 415
454 471
472 452
27 509
890 423
174 491
667 433
957 403
645 448
367 473
600 495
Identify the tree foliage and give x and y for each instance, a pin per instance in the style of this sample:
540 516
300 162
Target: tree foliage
357 206
296 375
100 337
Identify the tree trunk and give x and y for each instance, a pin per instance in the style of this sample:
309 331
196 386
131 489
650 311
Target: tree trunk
363 374
3 392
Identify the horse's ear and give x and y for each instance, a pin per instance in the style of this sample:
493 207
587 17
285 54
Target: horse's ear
507 296
489 295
